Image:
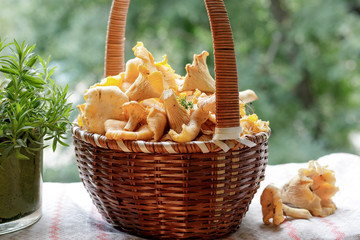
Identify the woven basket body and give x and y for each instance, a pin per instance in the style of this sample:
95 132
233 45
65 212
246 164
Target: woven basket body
168 190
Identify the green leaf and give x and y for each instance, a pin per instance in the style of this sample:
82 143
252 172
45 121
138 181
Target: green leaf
18 108
31 61
11 61
34 80
21 143
9 70
26 128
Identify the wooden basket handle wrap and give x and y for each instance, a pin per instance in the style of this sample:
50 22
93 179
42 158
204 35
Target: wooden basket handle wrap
115 39
227 93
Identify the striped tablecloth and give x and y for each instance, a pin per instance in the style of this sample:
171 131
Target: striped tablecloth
68 212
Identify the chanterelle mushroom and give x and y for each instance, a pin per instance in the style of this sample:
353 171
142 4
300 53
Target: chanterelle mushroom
177 115
147 59
156 121
247 96
198 76
131 72
153 103
190 131
110 81
323 180
272 207
147 85
135 113
168 73
207 103
312 189
81 108
103 103
115 130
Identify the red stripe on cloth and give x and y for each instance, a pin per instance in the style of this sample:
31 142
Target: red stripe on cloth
292 230
100 233
334 229
56 219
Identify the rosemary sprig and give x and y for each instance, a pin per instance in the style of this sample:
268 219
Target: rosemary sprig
32 107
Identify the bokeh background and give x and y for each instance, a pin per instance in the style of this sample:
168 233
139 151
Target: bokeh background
300 57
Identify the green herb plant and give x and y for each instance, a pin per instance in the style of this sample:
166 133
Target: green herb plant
33 108
186 104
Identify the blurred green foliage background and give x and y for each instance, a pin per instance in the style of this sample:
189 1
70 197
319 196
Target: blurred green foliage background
301 58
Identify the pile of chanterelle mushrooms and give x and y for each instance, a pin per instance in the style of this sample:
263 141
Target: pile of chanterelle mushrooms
150 102
307 194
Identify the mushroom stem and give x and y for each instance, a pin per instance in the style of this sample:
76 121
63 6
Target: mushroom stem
296 212
135 113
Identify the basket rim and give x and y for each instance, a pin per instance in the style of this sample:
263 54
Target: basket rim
165 147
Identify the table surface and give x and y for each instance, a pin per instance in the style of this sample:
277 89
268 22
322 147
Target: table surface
68 212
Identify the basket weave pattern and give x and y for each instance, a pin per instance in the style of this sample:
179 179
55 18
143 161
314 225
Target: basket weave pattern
172 196
171 190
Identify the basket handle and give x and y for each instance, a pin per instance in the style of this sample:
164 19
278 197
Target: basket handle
227 94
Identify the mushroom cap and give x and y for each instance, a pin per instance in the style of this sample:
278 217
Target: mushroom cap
157 122
179 82
207 103
112 124
153 103
312 189
168 74
131 72
116 80
147 59
115 131
103 103
191 130
108 81
251 125
198 76
81 108
147 85
247 96
177 115
323 180
135 113
271 205
195 96
212 118
297 193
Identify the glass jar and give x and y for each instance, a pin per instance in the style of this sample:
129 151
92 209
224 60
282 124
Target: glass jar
20 191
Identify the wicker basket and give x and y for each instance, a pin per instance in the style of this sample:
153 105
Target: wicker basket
165 190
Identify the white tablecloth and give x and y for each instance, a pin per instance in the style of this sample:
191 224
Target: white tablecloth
68 212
